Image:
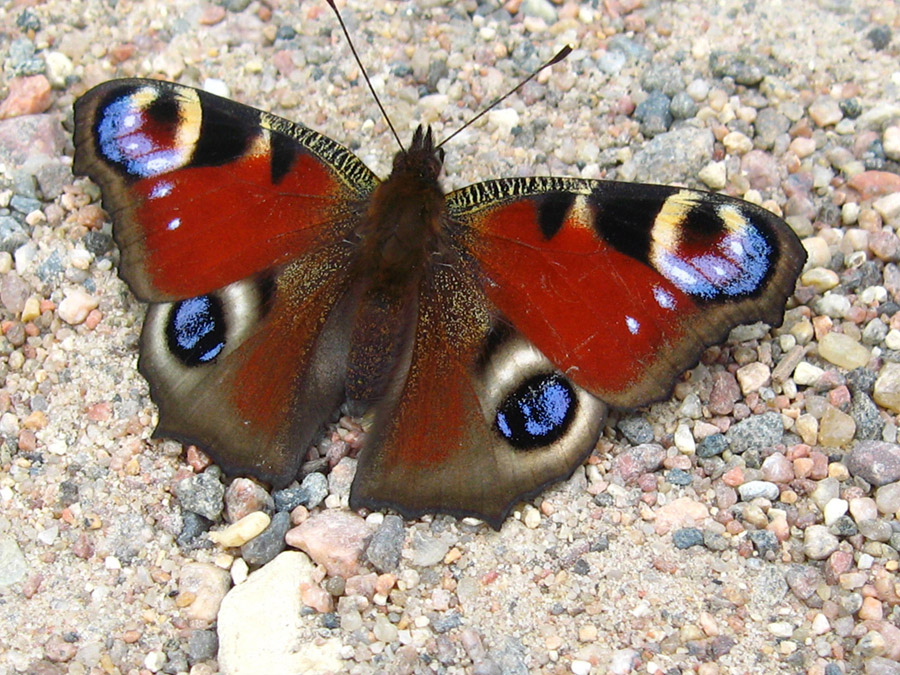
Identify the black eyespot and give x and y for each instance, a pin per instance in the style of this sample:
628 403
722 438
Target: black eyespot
538 412
196 330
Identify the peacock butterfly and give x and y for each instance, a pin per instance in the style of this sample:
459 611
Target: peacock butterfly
486 330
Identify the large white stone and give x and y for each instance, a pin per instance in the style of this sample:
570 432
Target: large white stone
261 629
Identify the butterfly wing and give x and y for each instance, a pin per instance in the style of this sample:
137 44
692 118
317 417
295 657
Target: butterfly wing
623 285
205 191
233 224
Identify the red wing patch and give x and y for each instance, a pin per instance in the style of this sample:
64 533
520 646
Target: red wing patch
205 227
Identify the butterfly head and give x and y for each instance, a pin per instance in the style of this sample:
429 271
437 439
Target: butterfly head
422 157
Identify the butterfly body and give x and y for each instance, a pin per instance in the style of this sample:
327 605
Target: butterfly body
486 329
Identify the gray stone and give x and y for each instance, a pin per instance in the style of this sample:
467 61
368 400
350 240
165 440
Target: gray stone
876 462
442 623
765 543
687 537
755 433
311 492
636 429
875 530
24 205
664 77
193 525
669 157
679 477
202 494
202 645
843 527
654 114
683 107
769 125
631 48
12 234
269 543
52 177
712 446
743 67
865 413
427 550
877 665
386 544
541 9
22 59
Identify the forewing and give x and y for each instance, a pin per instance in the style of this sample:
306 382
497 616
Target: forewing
204 191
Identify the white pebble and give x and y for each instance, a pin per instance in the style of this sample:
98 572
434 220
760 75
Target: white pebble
698 90
820 624
155 661
239 571
581 667
849 213
531 517
504 119
892 339
684 440
834 509
888 207
806 373
891 142
24 256
81 258
216 86
714 175
76 306
873 295
781 629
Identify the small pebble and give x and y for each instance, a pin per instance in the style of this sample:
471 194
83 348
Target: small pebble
843 351
818 542
758 488
76 306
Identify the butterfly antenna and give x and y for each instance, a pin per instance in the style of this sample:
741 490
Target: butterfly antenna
560 55
365 74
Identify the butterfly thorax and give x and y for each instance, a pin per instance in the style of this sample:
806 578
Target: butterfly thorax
403 223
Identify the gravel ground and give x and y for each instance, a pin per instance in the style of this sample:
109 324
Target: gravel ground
748 525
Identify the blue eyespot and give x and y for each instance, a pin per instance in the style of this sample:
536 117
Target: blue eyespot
141 140
196 330
537 413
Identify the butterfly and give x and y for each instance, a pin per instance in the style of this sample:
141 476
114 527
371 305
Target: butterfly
486 331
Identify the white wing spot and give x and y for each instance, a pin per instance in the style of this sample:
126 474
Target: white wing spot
633 325
161 189
174 224
663 298
678 274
